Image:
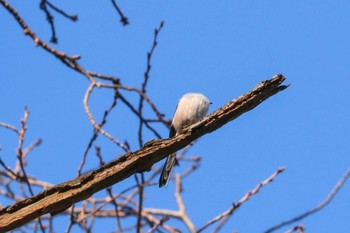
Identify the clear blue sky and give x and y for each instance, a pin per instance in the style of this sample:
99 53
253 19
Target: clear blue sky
221 49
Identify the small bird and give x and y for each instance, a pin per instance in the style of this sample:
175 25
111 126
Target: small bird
192 107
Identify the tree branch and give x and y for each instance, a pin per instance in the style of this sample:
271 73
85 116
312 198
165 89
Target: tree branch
59 197
319 207
123 18
223 217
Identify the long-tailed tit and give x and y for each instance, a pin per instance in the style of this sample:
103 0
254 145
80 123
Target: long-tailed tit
191 108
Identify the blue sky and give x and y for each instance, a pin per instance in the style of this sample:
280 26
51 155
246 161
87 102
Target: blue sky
221 49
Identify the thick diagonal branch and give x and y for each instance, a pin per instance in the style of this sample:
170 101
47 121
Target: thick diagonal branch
59 197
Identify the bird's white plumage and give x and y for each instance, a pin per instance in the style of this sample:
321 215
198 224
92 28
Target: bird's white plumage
191 108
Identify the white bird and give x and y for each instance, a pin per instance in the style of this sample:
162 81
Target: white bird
192 107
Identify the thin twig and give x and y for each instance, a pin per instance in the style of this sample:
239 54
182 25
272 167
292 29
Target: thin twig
32 146
142 94
95 132
123 18
127 103
146 78
297 229
71 220
93 122
8 169
181 205
21 155
155 226
320 206
114 80
8 126
61 12
49 18
70 61
43 6
150 54
109 190
225 215
140 205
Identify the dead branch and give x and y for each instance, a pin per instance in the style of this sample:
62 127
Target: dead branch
44 4
223 217
8 126
320 206
182 209
181 213
297 229
123 19
62 196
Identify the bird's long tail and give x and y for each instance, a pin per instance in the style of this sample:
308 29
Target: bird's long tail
169 164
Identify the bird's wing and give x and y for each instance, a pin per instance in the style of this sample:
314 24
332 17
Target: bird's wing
172 132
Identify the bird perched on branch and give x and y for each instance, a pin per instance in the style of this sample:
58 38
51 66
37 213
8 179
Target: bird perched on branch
192 107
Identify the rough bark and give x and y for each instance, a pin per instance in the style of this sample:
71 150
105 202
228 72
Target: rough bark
61 196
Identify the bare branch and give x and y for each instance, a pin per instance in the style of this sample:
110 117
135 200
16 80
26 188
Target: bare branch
140 204
320 206
157 224
123 19
132 109
8 126
146 78
62 12
95 132
94 123
181 205
62 56
64 195
297 229
21 157
223 217
49 17
35 144
109 189
128 203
